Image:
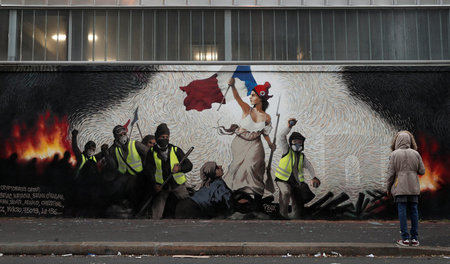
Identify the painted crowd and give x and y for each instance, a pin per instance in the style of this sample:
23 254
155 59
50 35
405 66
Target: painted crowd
151 174
326 159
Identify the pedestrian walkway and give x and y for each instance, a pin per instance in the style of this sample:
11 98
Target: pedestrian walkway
215 237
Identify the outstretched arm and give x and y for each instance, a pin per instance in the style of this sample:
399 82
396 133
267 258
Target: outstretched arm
245 107
76 150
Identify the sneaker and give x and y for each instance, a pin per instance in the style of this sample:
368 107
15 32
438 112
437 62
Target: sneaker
402 242
415 242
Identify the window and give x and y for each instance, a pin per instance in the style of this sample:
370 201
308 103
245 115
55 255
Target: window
199 35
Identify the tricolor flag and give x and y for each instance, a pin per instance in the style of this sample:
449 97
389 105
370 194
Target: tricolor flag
135 118
202 93
244 73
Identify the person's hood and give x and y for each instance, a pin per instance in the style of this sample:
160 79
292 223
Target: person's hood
403 141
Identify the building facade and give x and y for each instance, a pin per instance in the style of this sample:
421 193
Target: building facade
274 30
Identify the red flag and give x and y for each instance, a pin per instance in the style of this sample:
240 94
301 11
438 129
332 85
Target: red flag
202 93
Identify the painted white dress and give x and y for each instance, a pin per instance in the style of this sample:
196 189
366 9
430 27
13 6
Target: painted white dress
246 171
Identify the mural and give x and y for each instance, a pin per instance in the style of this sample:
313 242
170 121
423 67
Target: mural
103 141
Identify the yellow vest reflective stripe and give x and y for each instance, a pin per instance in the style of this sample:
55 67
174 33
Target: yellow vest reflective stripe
286 165
84 159
179 177
158 173
133 159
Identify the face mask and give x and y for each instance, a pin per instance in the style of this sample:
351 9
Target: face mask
90 153
297 147
162 143
123 139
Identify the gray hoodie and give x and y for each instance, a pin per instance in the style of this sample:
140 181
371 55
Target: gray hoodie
404 166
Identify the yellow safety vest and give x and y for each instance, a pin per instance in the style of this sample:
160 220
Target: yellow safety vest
179 177
84 159
133 159
286 165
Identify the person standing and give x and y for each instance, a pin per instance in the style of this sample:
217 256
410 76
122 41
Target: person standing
83 189
245 174
289 173
405 163
162 161
126 157
87 154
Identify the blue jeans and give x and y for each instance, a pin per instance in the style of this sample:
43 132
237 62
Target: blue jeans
402 209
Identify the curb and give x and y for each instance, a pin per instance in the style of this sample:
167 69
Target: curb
216 248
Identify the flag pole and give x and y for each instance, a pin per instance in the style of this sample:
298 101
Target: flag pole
269 182
131 131
223 99
139 131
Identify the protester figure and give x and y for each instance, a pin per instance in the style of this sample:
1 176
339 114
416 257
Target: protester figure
149 141
126 157
30 173
290 173
405 163
10 170
245 175
162 164
211 200
88 152
63 175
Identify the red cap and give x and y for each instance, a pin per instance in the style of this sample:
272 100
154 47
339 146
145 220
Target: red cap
263 91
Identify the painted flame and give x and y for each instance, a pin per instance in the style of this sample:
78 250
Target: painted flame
435 172
47 138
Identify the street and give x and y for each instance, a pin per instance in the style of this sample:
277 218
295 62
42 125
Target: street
215 259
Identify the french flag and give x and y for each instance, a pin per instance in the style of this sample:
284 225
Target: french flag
201 94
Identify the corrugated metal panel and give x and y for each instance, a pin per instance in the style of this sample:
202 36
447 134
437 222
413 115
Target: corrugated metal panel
225 3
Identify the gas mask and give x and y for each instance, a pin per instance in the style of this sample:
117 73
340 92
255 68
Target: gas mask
297 147
162 143
123 140
90 152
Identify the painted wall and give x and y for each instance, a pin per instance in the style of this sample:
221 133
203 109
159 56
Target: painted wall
349 116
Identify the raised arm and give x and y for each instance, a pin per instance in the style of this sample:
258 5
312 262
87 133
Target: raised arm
282 140
76 150
245 107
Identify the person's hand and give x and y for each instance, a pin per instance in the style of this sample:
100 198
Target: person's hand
74 133
315 182
292 122
176 168
231 82
158 188
389 194
272 146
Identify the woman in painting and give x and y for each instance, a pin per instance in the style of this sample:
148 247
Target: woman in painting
245 175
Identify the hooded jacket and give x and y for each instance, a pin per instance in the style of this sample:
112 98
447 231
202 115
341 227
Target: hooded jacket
404 166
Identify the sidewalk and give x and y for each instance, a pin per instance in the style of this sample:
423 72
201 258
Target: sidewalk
215 237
